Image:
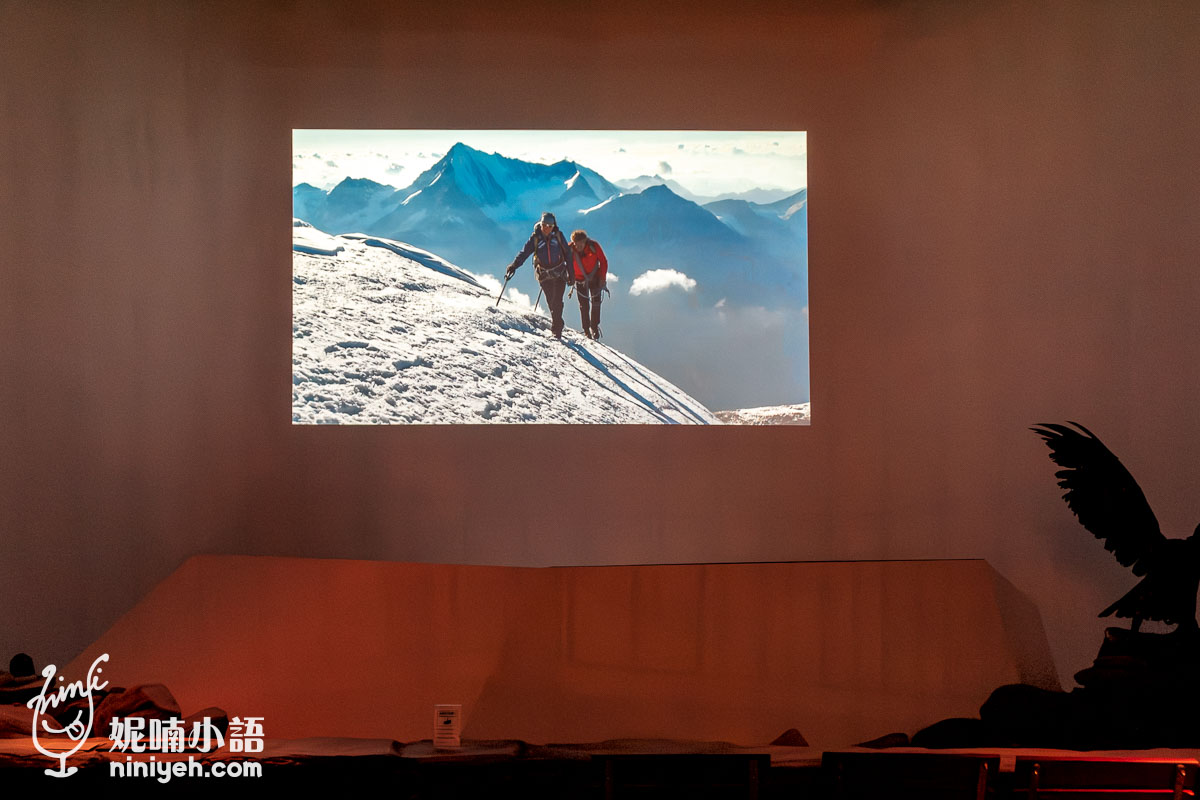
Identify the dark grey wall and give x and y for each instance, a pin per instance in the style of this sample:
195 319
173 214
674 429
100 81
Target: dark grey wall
1003 231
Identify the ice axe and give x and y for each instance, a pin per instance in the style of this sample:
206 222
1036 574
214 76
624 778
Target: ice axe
502 288
539 299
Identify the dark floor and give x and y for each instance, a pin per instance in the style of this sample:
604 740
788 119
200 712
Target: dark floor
852 775
700 777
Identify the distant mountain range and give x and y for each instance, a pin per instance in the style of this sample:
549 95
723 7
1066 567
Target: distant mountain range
760 196
477 209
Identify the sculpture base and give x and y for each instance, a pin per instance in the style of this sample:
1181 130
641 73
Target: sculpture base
1132 660
1142 691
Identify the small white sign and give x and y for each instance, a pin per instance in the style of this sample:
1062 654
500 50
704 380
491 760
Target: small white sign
447 727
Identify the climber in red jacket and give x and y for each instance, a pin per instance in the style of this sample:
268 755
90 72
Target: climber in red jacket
591 280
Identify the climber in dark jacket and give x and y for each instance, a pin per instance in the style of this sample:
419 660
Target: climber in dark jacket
551 263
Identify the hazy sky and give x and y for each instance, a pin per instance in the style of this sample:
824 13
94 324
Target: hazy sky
704 162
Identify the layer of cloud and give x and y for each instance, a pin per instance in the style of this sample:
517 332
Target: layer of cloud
728 357
658 279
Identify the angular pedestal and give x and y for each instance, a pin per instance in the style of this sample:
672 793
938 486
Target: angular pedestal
843 651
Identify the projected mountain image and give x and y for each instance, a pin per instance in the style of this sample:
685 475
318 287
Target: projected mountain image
707 292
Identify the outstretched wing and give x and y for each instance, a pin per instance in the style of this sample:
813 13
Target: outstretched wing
1103 495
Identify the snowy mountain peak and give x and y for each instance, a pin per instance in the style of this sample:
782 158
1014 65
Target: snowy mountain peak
643 182
358 185
349 197
468 171
466 157
660 190
462 154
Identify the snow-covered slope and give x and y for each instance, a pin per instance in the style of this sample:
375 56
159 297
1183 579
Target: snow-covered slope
386 332
797 414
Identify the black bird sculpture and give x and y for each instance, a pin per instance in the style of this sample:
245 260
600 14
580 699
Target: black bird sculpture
1110 504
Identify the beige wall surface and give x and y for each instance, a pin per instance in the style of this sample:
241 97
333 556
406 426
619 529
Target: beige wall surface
1002 231
844 651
